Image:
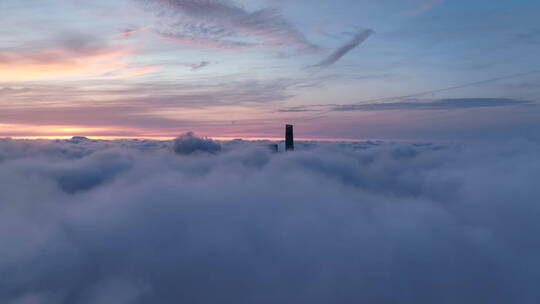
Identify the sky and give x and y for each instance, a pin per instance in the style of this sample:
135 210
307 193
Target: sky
337 69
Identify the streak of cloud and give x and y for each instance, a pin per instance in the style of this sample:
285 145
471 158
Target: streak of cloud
130 32
130 72
440 104
197 66
357 39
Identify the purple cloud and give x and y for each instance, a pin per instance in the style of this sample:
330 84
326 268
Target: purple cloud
223 24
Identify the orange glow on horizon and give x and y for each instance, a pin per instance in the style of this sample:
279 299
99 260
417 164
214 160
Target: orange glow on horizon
218 138
110 64
115 133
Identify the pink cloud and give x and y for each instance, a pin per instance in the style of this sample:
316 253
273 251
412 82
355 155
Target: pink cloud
130 32
72 57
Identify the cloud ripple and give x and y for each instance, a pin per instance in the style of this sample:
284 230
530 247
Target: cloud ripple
223 24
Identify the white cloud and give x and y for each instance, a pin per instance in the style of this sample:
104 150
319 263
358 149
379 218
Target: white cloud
330 223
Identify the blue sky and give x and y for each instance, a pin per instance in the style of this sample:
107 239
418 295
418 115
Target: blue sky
157 68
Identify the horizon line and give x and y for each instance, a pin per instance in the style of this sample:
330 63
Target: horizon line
217 138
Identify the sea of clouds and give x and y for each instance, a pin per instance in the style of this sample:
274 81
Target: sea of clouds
199 221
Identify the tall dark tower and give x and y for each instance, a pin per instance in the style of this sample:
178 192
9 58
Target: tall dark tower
289 138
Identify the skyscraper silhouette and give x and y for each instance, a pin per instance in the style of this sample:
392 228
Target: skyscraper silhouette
289 138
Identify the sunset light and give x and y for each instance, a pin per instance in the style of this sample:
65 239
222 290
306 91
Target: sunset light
269 151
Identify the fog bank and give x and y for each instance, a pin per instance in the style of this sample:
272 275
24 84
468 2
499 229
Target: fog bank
198 221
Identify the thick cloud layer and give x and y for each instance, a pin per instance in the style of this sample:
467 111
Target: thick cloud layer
188 143
86 221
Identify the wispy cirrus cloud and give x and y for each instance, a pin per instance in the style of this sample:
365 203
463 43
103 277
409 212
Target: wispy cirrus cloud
439 104
357 39
224 24
197 66
138 107
133 71
130 32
